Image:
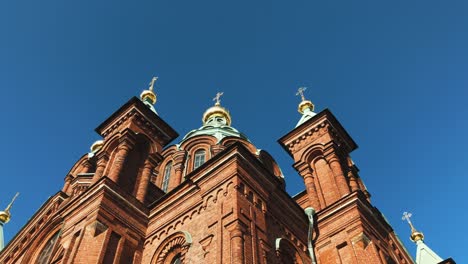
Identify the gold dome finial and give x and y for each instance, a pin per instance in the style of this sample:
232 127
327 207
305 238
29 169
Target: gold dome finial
5 215
149 95
217 110
304 103
415 235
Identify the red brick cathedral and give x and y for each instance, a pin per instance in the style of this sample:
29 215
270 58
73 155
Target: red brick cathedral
212 197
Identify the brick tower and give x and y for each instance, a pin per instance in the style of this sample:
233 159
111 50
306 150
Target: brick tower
349 229
211 198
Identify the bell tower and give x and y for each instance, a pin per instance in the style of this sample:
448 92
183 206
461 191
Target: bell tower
348 227
133 138
320 148
101 215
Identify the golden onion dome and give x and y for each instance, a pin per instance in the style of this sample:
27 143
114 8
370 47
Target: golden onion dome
4 217
97 146
416 236
149 95
217 111
304 105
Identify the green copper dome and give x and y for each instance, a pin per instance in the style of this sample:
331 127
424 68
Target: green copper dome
217 123
216 126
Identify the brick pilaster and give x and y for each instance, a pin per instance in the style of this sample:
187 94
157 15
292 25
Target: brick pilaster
148 167
103 159
337 170
125 145
178 164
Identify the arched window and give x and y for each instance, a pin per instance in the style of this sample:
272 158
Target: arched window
199 158
48 250
167 176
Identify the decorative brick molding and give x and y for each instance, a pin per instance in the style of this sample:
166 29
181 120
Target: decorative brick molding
175 245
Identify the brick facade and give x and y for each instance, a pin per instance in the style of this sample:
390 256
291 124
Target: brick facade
137 200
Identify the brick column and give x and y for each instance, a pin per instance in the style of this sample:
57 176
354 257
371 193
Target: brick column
352 175
237 243
306 172
352 181
340 179
68 180
123 149
311 192
101 164
148 167
178 164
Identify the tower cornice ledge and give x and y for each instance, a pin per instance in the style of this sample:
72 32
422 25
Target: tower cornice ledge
145 119
314 127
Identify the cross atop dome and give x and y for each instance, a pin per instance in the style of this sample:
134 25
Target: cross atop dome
151 84
415 235
306 107
300 91
217 115
216 122
217 98
148 96
424 255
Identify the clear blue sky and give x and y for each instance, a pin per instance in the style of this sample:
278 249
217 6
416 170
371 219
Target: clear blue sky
393 72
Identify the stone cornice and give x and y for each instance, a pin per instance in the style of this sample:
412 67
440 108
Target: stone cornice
323 122
140 115
100 186
370 217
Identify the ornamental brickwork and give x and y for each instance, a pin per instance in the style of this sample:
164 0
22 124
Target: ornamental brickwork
136 199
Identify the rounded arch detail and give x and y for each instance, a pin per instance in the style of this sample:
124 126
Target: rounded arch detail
110 144
287 252
169 151
176 245
76 169
313 153
141 138
227 141
194 142
48 231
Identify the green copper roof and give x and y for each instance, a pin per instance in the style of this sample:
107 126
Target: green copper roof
308 114
424 255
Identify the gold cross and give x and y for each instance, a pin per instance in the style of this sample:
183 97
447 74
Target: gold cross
300 92
217 98
151 84
406 217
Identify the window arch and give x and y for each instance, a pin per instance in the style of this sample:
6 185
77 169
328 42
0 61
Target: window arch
173 249
199 158
49 249
287 252
166 176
